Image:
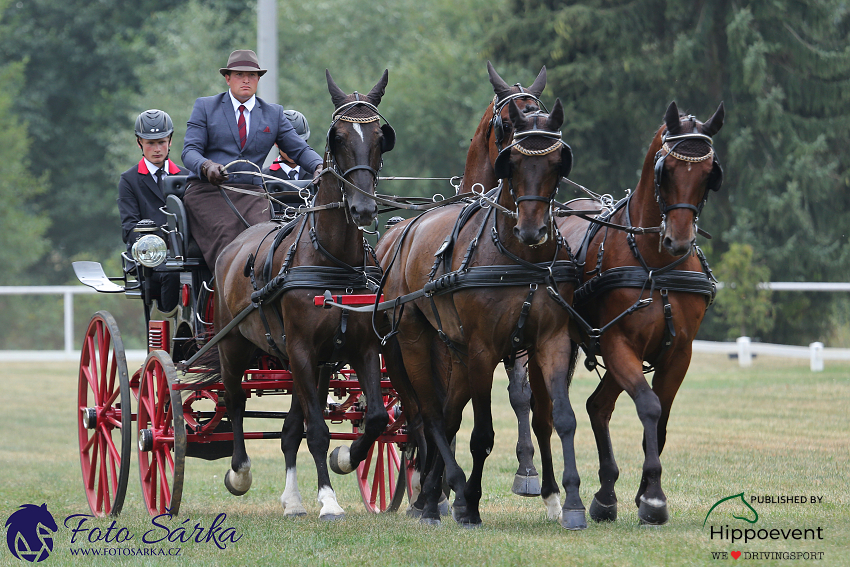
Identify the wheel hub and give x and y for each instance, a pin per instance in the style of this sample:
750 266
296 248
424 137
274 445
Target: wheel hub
145 440
89 417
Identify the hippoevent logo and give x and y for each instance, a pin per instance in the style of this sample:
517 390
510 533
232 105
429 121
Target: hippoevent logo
740 533
29 533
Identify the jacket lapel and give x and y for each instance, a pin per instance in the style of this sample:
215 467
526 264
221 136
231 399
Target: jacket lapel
256 120
148 181
230 116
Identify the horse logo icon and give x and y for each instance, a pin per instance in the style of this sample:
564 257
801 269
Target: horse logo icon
743 501
30 532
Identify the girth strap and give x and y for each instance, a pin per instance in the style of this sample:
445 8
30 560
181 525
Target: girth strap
636 276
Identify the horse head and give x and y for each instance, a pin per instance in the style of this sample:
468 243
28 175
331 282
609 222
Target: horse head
685 169
356 142
533 163
526 99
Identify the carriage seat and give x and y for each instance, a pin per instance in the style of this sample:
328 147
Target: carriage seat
182 243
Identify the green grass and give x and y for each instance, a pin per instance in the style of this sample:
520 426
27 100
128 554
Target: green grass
774 429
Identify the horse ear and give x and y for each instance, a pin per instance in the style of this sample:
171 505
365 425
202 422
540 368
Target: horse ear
517 117
337 96
556 117
671 118
377 92
502 167
539 83
713 125
500 87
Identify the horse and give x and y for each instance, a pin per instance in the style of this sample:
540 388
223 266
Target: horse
322 252
645 289
485 311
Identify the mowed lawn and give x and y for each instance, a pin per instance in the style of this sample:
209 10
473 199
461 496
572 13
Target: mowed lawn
773 430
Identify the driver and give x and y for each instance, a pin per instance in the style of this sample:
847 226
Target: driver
140 195
234 125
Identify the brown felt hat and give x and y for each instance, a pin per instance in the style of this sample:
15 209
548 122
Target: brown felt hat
243 60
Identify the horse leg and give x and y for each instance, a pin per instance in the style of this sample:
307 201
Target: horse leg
290 441
554 365
235 353
665 384
600 406
526 480
420 348
304 373
543 426
626 367
367 366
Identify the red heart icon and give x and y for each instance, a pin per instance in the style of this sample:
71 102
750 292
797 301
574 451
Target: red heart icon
735 554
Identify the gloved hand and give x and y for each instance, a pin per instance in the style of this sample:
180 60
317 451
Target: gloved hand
214 172
317 175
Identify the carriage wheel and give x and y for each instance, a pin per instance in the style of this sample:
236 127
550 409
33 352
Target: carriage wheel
104 416
384 473
162 436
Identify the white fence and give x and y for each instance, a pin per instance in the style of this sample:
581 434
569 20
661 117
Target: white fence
743 348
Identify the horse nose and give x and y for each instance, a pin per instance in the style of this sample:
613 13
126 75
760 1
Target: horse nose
676 247
531 237
364 213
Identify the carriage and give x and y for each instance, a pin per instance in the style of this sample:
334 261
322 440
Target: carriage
441 352
169 412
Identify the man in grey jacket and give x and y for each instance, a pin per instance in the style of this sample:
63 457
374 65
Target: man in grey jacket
230 126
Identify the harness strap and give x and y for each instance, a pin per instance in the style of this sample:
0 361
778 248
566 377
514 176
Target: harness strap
233 207
518 335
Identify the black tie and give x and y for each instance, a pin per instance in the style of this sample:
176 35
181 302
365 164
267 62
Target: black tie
159 177
293 174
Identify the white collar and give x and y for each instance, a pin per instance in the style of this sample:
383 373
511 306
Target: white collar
152 168
249 104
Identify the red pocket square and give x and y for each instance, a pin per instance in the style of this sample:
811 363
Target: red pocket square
267 129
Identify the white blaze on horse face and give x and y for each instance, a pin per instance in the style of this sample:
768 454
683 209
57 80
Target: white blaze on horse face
291 497
358 130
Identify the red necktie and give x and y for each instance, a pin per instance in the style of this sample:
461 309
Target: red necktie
243 131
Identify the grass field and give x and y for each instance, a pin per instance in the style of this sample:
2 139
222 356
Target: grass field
775 429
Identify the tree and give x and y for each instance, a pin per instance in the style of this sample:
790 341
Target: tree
22 226
783 70
743 305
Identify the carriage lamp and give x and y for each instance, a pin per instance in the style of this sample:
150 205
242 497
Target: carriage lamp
150 250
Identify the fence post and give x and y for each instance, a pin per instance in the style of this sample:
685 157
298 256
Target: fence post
816 357
69 322
745 357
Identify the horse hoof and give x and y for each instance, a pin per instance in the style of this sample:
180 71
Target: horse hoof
601 513
236 488
443 505
573 520
340 460
526 485
433 522
470 525
414 512
650 514
331 517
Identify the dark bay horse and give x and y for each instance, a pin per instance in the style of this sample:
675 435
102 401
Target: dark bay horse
647 293
484 305
324 250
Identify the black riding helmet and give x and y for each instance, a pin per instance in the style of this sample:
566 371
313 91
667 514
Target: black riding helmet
154 124
299 122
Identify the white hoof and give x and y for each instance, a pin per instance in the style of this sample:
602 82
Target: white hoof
239 482
553 506
331 510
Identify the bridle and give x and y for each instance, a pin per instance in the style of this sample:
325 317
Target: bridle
669 143
348 112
